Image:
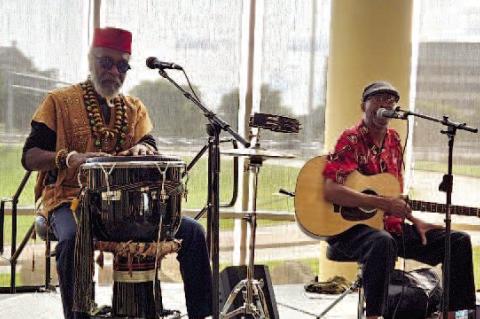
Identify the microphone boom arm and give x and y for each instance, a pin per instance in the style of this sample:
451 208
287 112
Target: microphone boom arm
445 121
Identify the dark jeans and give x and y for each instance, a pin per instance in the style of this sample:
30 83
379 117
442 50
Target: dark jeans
193 258
377 251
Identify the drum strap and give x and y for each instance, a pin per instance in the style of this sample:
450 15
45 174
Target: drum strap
83 259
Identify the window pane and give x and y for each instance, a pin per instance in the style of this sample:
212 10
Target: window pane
294 51
201 36
43 45
204 38
291 52
292 76
447 84
38 52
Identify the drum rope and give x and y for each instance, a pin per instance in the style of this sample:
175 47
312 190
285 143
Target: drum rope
107 179
79 179
163 207
163 172
185 179
159 235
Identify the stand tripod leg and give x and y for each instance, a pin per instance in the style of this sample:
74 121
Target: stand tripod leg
239 311
231 297
355 285
254 300
261 301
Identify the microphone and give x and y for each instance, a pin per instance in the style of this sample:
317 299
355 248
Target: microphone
154 63
391 114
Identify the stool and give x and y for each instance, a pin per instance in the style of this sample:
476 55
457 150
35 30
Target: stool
337 255
136 288
44 231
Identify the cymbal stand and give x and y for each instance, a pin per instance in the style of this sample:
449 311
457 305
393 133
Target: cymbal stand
254 299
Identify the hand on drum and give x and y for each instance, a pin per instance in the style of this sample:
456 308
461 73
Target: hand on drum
139 149
77 159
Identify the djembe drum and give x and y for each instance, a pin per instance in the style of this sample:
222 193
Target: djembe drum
131 207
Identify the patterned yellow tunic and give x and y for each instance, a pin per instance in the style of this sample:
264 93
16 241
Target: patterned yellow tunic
64 112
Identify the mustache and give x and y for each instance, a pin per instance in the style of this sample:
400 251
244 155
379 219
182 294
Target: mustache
110 77
101 85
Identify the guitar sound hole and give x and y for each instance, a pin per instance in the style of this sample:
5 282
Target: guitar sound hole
359 213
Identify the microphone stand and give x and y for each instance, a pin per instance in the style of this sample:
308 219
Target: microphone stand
445 186
214 129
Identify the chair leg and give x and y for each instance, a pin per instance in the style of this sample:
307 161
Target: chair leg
361 303
47 263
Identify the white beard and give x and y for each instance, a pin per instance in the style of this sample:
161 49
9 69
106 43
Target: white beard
107 93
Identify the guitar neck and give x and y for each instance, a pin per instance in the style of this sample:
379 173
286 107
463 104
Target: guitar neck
441 208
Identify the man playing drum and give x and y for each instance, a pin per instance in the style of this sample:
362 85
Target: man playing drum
92 119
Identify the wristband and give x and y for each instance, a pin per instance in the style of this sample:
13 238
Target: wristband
61 158
68 158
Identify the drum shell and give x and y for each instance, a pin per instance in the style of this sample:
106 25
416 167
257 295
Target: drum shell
127 205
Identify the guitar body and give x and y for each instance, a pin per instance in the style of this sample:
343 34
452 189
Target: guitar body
320 218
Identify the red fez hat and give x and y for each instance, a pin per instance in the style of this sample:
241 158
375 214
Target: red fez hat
113 38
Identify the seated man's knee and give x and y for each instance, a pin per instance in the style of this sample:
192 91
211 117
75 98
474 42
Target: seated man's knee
193 226
68 238
461 239
383 241
66 235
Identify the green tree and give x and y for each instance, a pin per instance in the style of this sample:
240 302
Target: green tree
312 125
271 103
172 114
427 132
228 109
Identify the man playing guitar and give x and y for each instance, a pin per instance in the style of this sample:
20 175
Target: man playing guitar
371 147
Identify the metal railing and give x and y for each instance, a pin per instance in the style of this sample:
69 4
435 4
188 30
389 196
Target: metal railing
14 250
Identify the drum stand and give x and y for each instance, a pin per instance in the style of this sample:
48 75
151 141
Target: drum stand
254 299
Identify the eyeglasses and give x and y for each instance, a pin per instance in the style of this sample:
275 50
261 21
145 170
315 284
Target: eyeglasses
383 97
106 62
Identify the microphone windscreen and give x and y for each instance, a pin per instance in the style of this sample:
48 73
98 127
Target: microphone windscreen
151 61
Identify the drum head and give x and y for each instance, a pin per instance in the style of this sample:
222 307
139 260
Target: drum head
133 161
137 158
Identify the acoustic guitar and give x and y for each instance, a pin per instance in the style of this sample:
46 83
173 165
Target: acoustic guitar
320 218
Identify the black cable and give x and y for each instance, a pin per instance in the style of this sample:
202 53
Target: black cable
191 87
403 237
405 144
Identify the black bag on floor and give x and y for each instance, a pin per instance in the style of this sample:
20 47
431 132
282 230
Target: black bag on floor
422 294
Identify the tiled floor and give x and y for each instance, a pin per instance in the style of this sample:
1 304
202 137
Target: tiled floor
291 303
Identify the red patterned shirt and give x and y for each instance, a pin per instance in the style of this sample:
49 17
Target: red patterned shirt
355 150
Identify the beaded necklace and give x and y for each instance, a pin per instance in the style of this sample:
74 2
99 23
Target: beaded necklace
105 139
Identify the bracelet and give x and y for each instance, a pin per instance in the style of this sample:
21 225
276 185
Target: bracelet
61 159
68 158
148 146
